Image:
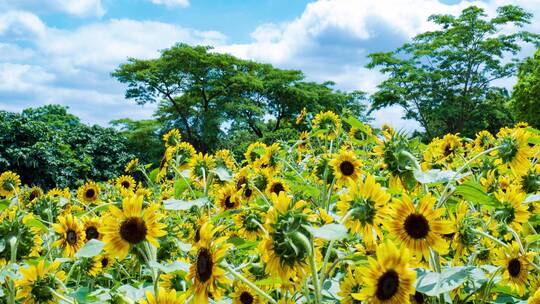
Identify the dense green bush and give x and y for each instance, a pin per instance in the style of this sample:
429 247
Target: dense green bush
49 147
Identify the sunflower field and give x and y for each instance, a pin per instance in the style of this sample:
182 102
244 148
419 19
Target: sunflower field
344 214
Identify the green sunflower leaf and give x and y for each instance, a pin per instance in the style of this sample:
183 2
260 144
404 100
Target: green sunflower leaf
90 249
175 204
330 232
475 193
434 283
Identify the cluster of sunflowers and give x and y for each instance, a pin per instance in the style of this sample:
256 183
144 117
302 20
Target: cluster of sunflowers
345 214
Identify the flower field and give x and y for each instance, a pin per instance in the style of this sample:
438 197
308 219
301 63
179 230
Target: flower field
345 214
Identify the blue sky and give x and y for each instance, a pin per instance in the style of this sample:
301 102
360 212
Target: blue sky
62 51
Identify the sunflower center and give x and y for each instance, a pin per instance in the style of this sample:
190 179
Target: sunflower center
104 262
514 267
133 230
346 168
204 265
241 181
125 184
71 237
418 298
228 203
416 226
197 236
277 188
34 194
91 233
387 286
246 298
248 192
90 193
448 150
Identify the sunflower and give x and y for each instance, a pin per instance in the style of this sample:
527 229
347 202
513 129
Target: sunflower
9 183
91 228
182 154
464 239
132 165
205 271
249 222
326 125
346 167
164 297
530 182
515 266
512 211
130 226
535 298
242 181
300 117
419 228
270 160
172 138
514 150
99 263
39 283
224 158
276 186
254 151
174 280
72 236
201 165
244 295
228 198
350 287
126 183
285 250
387 279
363 205
483 141
88 193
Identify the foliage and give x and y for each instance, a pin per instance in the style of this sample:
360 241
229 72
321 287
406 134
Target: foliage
443 78
526 93
212 97
340 214
143 138
49 147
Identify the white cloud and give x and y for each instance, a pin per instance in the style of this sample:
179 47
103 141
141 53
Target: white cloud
331 39
171 3
22 77
78 8
21 25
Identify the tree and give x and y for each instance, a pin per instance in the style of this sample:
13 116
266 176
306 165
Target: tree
443 78
49 147
209 95
143 138
526 93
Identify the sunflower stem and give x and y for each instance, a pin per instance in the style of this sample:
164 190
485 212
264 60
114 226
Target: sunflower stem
489 236
314 273
489 284
330 247
249 284
444 196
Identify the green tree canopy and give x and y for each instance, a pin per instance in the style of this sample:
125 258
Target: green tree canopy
143 138
526 93
209 95
49 147
443 78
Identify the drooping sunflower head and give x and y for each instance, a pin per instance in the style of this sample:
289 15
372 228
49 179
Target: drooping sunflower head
254 151
38 283
483 141
515 266
34 193
270 159
174 280
71 234
346 167
224 158
249 222
172 138
286 248
100 263
514 150
326 125
182 154
243 180
396 154
361 133
132 166
512 211
464 239
364 206
300 117
130 226
9 183
201 165
14 225
419 227
530 182
126 183
228 198
350 287
388 278
89 193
